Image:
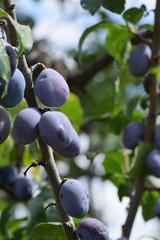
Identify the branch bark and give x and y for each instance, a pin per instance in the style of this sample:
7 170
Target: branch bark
151 122
46 151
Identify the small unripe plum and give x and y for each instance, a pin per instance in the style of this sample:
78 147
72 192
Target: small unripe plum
51 88
133 133
25 127
73 149
15 90
153 162
56 129
157 208
4 125
22 188
140 60
74 198
92 229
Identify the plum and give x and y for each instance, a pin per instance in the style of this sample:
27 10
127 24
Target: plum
140 60
51 88
74 198
92 229
133 133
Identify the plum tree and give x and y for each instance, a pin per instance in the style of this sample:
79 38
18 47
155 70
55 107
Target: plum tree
74 198
56 129
91 228
22 188
4 125
15 90
73 149
140 60
25 127
133 133
153 162
157 208
51 88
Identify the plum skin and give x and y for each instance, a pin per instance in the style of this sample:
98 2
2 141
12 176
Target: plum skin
22 188
25 127
51 88
56 129
15 90
92 229
153 162
73 149
8 174
74 198
140 60
133 133
4 125
12 57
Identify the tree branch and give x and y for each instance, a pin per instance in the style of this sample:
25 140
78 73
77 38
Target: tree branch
46 151
151 122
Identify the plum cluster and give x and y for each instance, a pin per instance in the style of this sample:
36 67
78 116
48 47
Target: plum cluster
19 187
54 127
16 85
74 198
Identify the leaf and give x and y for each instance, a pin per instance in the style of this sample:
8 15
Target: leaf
132 103
133 15
148 204
115 6
4 66
114 162
91 6
95 27
23 33
116 40
139 168
48 231
73 109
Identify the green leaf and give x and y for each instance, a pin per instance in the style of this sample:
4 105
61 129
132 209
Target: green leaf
139 167
23 33
114 162
91 6
132 103
48 231
4 66
148 204
116 40
73 110
95 27
133 15
115 6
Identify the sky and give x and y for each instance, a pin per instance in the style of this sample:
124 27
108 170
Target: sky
63 27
